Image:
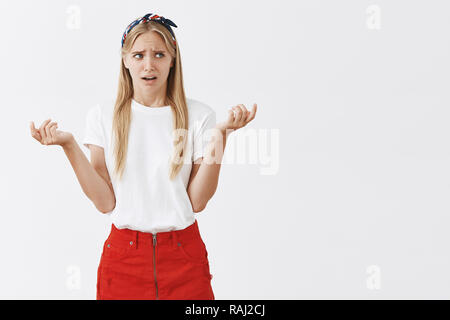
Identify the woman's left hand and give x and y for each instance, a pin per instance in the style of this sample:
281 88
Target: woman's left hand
238 117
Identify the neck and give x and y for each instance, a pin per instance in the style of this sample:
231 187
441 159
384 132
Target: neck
151 99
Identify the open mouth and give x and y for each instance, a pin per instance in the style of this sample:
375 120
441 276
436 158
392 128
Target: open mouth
152 78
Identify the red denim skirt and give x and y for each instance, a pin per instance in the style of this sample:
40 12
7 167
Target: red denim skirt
170 265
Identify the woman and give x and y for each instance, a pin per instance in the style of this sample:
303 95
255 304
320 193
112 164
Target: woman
151 143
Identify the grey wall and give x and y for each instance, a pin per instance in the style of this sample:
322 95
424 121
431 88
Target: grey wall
343 193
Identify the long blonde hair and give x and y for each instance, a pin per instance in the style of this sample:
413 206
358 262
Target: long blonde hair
175 97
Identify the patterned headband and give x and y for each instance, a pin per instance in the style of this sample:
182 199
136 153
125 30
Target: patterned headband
154 17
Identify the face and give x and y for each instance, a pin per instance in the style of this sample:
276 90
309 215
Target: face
149 58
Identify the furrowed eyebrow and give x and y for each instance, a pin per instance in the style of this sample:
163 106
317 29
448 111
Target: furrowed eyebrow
157 50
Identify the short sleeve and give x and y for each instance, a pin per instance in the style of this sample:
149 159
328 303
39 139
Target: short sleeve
203 134
94 133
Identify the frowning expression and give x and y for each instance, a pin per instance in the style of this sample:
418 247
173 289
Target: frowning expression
148 61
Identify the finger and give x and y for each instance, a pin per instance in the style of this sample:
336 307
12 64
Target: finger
42 130
48 133
49 126
235 115
34 132
32 128
253 113
52 131
230 115
244 112
238 116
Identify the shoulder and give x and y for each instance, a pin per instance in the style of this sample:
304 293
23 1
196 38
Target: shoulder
107 107
103 109
198 110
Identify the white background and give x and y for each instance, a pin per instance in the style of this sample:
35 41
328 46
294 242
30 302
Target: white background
357 206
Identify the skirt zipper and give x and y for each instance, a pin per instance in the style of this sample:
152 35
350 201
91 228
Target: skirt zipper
154 265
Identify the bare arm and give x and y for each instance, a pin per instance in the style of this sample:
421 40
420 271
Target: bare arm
205 171
95 184
93 176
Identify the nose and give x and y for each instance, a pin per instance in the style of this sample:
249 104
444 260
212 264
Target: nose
148 63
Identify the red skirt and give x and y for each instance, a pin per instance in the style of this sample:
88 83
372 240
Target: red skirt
169 265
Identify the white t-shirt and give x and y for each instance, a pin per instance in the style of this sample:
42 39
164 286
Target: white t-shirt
146 199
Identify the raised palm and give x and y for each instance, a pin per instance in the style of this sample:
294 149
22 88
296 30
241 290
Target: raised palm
48 135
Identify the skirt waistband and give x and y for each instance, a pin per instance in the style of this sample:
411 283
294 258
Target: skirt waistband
189 233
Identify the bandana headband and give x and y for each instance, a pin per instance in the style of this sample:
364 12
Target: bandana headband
154 17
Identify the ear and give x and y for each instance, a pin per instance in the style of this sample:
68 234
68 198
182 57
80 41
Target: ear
125 62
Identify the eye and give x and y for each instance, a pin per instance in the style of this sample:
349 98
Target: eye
139 54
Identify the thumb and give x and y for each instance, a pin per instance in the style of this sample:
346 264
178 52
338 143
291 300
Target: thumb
230 114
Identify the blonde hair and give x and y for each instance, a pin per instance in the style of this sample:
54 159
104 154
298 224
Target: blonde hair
175 97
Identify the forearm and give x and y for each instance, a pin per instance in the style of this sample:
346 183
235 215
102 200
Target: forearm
204 185
92 184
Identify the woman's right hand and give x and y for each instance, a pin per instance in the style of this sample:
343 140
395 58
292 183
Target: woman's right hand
48 135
